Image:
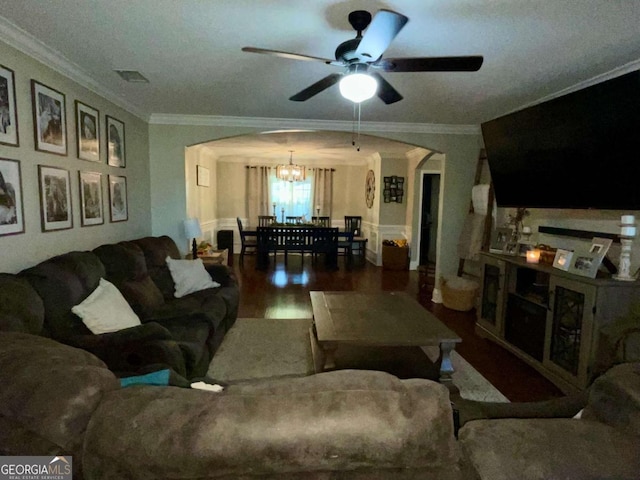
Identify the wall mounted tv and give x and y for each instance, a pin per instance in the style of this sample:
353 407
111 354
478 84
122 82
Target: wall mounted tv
576 151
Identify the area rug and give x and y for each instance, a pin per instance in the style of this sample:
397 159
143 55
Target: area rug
267 347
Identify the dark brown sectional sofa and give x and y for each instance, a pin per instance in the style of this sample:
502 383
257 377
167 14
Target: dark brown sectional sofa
177 333
350 424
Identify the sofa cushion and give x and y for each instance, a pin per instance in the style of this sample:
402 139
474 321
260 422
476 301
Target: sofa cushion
21 308
541 449
126 268
614 399
189 276
341 420
50 389
63 282
156 250
105 310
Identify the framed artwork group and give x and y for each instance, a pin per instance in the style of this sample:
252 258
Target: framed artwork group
49 111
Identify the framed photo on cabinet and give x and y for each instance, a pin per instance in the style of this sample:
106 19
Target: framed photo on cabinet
562 259
116 152
11 209
8 112
91 211
55 198
49 119
118 205
87 132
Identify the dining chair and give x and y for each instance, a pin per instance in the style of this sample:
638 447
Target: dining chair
321 221
293 219
345 246
266 220
249 240
353 223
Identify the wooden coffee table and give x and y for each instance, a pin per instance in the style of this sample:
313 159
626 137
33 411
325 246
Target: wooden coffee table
376 319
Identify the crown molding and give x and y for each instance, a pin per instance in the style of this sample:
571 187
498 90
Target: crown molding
26 43
603 77
308 124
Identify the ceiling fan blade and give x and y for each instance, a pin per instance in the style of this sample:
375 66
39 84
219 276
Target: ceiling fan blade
381 31
386 92
430 64
291 56
316 88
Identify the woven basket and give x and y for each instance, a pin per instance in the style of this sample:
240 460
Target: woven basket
456 298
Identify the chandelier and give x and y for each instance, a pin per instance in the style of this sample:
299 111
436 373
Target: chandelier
290 172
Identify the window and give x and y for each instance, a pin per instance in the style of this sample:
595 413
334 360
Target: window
294 197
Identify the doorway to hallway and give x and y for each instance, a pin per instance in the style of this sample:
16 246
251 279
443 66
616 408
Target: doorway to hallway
429 218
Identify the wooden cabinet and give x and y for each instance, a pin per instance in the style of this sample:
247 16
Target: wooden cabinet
547 317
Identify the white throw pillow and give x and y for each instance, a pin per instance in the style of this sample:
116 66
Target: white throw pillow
106 310
189 276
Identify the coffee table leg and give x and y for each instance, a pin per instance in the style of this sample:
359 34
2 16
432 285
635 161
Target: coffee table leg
446 366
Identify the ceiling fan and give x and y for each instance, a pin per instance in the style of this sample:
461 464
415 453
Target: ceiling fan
362 56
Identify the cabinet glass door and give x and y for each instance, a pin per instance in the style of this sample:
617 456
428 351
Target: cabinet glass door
570 322
566 336
492 295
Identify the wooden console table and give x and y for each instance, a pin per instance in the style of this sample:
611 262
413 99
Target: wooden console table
548 317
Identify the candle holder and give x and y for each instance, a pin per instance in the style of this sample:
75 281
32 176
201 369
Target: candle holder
533 255
282 211
627 234
274 209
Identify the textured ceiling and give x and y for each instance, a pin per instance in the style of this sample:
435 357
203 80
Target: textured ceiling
190 50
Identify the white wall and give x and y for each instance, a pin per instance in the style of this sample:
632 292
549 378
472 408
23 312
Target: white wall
24 250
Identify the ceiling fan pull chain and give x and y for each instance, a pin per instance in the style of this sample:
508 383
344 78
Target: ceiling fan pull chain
353 127
358 146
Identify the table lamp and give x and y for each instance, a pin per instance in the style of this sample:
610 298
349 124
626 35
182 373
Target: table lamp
192 230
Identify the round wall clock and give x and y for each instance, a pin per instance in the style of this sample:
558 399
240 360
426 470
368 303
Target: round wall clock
370 188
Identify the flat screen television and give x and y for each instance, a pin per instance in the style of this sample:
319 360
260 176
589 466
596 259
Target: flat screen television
580 150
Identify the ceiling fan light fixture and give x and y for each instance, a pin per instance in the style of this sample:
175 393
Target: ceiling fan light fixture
358 87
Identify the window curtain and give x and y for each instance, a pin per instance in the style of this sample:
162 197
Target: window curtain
258 197
323 191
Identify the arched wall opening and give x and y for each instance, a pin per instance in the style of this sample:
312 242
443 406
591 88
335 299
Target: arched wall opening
169 178
224 164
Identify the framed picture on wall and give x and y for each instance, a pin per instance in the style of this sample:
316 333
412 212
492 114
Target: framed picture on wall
11 210
88 132
202 176
49 119
91 211
116 151
118 205
8 112
55 198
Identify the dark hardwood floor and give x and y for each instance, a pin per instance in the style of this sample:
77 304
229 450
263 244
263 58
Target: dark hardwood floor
284 293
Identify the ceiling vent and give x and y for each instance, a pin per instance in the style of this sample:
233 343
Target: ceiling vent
131 76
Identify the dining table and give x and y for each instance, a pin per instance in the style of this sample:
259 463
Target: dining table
300 238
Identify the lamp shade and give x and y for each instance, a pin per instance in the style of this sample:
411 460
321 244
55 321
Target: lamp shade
358 87
192 228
